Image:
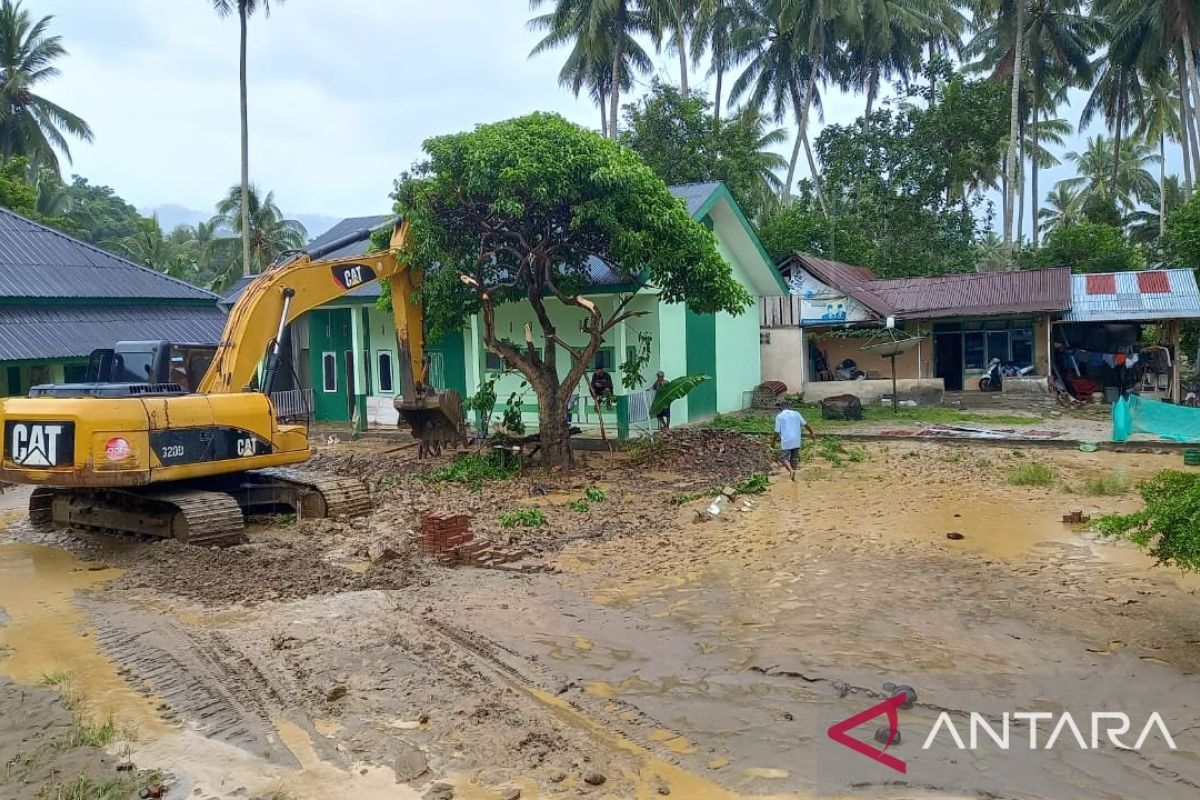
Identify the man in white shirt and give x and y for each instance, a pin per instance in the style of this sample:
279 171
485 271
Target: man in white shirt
790 427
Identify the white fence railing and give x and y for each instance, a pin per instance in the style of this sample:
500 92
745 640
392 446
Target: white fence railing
293 403
639 406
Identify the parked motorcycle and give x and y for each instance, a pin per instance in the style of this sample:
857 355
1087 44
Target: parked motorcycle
993 379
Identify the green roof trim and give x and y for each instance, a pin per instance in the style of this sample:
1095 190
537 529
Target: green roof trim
721 192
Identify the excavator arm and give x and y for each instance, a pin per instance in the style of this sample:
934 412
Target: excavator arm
306 281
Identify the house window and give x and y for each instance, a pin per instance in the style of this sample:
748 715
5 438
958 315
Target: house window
605 357
997 343
385 381
493 362
329 371
974 350
1022 347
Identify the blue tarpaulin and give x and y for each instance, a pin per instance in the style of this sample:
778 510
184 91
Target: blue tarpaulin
1135 414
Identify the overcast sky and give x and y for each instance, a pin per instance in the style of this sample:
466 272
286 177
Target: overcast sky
341 93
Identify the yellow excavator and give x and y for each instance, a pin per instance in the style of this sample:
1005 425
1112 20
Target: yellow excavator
131 450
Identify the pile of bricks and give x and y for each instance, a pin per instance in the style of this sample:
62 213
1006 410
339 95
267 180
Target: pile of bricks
442 533
448 538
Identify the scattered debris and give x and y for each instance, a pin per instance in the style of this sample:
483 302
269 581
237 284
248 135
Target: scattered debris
1076 518
955 536
594 778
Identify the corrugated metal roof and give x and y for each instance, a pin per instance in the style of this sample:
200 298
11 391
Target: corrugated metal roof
69 331
345 228
1132 296
694 195
977 294
37 261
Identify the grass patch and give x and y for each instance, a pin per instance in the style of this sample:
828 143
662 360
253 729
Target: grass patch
833 450
1031 474
683 498
472 469
579 505
523 518
756 484
1110 484
86 788
594 494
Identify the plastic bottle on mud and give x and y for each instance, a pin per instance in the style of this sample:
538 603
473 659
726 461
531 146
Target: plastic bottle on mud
717 505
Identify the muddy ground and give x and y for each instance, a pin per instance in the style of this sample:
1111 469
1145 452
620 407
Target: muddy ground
652 654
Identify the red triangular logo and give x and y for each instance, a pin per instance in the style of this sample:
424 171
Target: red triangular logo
888 708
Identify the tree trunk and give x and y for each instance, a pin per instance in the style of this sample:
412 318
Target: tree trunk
247 266
1185 128
801 107
1033 179
614 105
1014 112
1190 65
603 115
681 46
816 173
717 104
553 435
1162 187
1116 165
1020 227
872 88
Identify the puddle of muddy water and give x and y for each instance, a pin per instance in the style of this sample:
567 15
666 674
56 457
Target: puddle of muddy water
45 633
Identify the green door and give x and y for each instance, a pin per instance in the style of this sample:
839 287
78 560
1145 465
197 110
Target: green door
330 350
701 333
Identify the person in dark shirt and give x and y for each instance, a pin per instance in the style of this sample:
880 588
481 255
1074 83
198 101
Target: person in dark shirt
664 416
602 386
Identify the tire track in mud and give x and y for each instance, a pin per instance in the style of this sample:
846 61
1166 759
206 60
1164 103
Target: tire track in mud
201 680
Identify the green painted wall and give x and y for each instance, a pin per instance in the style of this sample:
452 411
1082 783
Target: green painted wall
329 332
452 349
739 358
17 376
701 336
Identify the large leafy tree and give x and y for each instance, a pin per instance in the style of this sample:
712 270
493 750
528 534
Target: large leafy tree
269 234
683 142
98 213
31 125
244 10
518 212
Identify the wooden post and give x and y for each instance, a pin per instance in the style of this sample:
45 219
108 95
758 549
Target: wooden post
1175 329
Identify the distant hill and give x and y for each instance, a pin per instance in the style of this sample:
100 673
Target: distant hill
171 216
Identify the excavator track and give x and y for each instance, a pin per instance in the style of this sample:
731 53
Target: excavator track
190 515
319 495
200 513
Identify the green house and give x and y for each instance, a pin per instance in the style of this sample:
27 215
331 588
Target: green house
346 351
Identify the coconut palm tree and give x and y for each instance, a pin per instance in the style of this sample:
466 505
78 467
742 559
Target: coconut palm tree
717 24
31 125
1147 226
1062 207
1156 120
1093 169
245 9
787 43
675 21
598 29
269 234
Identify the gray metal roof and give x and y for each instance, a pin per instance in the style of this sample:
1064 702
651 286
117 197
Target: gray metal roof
694 195
976 294
1131 296
38 261
347 227
71 331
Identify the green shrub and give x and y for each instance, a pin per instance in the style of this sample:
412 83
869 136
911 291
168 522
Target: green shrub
1031 474
1108 485
523 518
1168 528
472 469
755 484
578 505
595 495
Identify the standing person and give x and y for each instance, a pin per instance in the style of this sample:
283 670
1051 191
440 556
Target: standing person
790 427
664 416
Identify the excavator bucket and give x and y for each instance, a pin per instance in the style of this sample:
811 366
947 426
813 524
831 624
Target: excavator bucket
435 418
